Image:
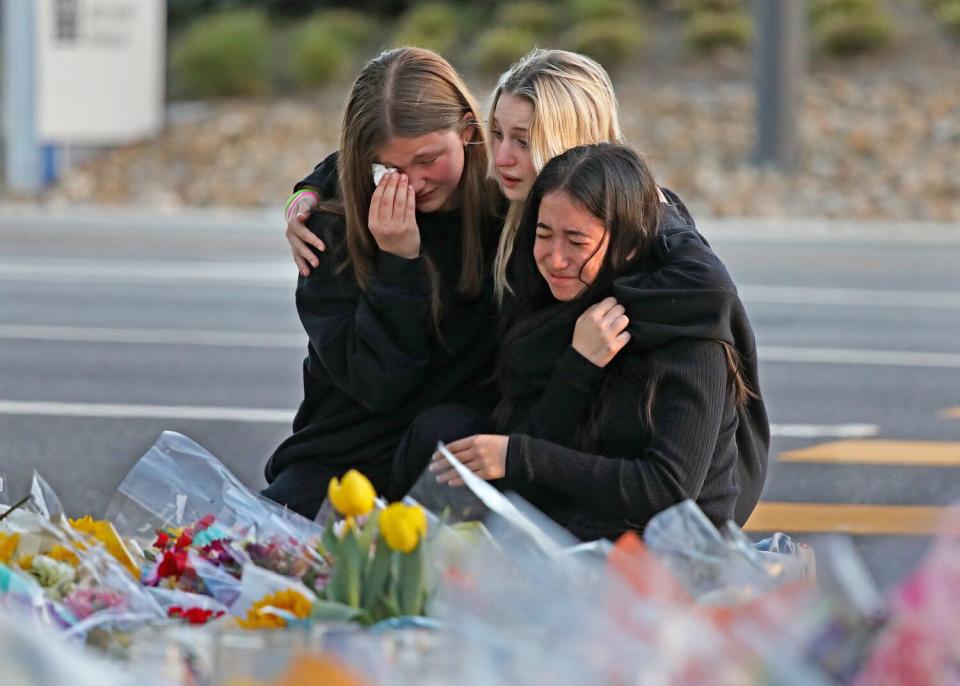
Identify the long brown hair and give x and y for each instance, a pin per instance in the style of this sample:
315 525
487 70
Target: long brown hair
411 92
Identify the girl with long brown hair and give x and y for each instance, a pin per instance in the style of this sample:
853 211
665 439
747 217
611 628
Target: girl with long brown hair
399 313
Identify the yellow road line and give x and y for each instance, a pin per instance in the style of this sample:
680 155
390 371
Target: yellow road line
950 413
913 453
871 520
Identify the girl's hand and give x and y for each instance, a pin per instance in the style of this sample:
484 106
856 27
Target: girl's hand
601 332
483 454
300 237
392 219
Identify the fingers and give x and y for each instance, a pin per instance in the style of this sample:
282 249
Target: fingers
461 444
410 217
387 199
400 202
301 231
302 255
302 265
620 341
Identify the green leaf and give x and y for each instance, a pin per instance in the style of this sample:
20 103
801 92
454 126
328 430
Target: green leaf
329 611
352 562
344 584
410 582
329 540
377 576
369 530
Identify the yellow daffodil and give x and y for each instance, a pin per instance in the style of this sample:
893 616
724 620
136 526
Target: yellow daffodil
403 526
26 562
62 553
354 496
104 531
8 546
288 599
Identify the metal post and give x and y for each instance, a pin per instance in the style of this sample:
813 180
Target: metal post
24 156
779 63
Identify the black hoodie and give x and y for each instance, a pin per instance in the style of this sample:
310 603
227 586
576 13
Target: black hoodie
581 447
374 360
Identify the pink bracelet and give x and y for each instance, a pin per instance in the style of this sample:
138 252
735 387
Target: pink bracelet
295 198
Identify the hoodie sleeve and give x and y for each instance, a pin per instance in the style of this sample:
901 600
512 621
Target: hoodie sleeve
323 178
374 344
560 409
669 465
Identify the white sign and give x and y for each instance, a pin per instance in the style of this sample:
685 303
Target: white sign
100 67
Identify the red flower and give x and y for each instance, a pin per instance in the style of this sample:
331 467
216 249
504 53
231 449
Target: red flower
163 540
173 564
205 522
185 540
193 615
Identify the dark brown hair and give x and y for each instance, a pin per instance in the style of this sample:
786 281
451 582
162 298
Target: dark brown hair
411 92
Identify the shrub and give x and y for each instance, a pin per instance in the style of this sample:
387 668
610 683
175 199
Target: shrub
355 28
592 10
318 56
708 31
849 33
432 25
605 40
693 6
824 8
498 48
949 14
222 55
536 17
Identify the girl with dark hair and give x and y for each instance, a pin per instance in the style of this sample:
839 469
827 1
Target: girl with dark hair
628 366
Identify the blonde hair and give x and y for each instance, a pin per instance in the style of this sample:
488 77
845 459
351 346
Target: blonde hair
573 104
411 92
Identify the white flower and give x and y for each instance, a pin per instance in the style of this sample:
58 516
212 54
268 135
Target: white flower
51 573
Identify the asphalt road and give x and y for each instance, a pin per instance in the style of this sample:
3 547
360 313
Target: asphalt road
115 328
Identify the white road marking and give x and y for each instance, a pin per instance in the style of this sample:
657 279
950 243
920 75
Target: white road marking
850 297
281 416
883 358
143 271
297 341
87 334
128 411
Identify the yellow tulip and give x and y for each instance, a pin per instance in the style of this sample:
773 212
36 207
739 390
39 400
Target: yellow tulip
354 496
403 526
8 546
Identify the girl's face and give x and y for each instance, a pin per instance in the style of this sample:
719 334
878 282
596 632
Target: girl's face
570 245
510 133
432 162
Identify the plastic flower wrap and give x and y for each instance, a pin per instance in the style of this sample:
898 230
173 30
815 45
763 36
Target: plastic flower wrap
104 533
921 644
178 486
32 657
91 593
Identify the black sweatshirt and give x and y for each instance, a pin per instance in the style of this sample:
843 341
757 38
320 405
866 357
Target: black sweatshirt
700 445
374 360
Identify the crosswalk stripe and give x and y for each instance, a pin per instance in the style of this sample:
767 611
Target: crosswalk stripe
865 520
878 452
